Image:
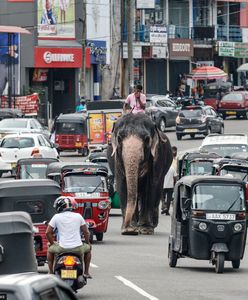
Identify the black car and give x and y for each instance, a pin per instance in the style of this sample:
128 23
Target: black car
194 120
162 110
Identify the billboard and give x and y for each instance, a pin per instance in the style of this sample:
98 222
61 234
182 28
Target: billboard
56 19
9 63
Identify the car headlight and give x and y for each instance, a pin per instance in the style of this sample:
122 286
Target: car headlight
237 227
202 226
103 204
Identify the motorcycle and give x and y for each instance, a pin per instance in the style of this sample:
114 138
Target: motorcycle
69 267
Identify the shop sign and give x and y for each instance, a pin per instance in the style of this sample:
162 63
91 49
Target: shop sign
241 50
159 52
226 49
137 52
145 4
58 57
180 47
158 34
205 63
98 51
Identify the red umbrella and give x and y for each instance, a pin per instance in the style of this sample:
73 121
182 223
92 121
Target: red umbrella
207 72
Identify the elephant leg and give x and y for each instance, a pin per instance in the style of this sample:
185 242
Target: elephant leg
121 188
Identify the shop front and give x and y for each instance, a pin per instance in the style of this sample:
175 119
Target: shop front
180 53
56 71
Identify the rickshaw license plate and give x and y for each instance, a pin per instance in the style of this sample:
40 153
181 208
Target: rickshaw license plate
215 216
78 144
190 130
68 274
231 112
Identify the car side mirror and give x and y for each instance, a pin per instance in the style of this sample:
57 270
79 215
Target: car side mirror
186 203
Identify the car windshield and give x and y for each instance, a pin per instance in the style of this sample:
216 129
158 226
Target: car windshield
218 197
200 167
236 172
69 128
232 97
6 123
225 149
83 183
33 171
190 113
17 142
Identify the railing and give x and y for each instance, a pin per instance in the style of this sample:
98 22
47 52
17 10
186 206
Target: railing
232 34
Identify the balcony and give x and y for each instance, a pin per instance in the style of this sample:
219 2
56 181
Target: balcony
231 34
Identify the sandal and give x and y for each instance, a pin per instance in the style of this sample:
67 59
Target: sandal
88 276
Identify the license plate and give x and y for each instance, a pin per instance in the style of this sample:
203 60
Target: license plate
78 144
231 112
68 274
13 165
215 216
190 130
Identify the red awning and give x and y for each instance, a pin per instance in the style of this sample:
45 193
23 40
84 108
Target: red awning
13 29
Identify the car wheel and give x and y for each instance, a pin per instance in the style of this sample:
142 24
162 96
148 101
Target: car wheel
172 257
99 236
179 137
162 124
223 116
245 116
238 117
1 173
192 135
221 130
220 262
236 264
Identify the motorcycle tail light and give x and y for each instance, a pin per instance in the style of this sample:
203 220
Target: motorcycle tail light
103 204
104 194
69 261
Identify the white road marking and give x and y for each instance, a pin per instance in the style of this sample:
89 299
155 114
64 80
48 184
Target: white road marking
136 288
93 266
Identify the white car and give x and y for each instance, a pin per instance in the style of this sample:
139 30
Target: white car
225 144
22 125
16 146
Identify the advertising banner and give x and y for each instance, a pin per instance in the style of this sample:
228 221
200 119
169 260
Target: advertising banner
9 63
29 104
56 19
111 118
96 128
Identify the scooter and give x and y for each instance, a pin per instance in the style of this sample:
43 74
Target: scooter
69 267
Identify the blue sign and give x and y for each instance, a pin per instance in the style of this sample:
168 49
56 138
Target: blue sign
98 51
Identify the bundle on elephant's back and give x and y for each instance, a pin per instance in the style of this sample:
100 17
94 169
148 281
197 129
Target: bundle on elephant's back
139 157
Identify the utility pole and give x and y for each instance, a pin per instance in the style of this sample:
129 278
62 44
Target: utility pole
84 37
130 23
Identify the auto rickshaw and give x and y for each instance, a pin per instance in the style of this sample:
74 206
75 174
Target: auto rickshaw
35 197
209 220
235 167
214 91
17 253
196 163
101 159
71 133
89 187
33 168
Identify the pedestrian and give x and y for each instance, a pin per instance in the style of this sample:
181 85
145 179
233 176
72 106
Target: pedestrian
168 189
136 100
175 158
81 106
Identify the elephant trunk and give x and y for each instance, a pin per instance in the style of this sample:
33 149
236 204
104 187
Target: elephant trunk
132 154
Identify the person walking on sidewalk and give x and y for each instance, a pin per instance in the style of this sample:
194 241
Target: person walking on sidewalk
169 183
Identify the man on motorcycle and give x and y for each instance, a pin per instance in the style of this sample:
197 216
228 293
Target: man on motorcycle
68 226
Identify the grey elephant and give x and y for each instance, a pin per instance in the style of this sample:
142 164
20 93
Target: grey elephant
139 157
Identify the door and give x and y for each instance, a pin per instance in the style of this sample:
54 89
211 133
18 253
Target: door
156 77
172 112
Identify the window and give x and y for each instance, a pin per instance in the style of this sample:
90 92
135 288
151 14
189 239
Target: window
17 142
31 207
41 141
232 97
13 123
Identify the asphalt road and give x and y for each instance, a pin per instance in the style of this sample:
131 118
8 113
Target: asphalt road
136 267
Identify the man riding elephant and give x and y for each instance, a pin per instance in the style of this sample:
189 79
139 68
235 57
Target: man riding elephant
139 157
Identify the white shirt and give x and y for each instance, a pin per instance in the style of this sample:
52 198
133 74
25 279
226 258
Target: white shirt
68 225
169 178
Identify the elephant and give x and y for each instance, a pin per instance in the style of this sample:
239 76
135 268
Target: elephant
139 156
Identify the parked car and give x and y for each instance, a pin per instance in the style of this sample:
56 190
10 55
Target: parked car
16 146
162 110
234 104
194 120
32 285
225 144
22 125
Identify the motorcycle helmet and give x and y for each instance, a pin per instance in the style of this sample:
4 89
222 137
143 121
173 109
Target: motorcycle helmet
64 203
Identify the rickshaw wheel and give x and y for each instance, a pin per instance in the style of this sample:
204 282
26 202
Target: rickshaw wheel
236 263
172 258
99 236
220 261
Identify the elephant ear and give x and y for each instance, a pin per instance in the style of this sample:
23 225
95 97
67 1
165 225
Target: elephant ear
158 137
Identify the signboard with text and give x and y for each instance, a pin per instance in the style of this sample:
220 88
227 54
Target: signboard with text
232 49
158 34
